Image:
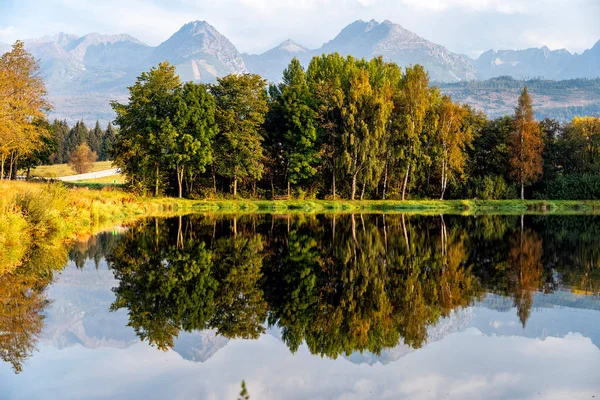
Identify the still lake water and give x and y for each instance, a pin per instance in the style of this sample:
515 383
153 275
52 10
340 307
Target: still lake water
313 307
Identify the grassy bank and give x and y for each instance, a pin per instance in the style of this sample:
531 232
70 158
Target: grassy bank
34 213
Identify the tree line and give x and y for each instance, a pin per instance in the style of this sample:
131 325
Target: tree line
341 128
68 140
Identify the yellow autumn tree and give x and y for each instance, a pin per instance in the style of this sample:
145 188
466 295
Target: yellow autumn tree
453 139
526 144
23 104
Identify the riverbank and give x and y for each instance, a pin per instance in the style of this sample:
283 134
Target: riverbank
34 213
39 214
466 207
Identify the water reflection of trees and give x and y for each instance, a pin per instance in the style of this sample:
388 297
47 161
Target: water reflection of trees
339 284
22 302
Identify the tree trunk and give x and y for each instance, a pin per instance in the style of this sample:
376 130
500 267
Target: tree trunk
444 179
385 179
353 187
156 183
522 190
405 182
235 187
288 182
362 193
2 161
214 182
180 171
333 183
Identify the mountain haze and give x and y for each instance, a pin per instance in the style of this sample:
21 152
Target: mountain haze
271 63
529 63
84 73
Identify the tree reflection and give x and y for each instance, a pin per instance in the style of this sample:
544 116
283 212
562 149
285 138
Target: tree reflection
524 270
338 283
171 280
327 281
22 303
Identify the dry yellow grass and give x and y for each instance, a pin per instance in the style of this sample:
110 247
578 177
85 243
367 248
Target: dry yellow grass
35 214
58 170
116 179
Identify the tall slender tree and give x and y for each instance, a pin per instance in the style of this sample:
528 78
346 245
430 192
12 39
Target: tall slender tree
107 142
454 137
526 144
413 102
296 128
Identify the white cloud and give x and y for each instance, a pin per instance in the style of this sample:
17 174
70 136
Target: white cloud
464 26
7 33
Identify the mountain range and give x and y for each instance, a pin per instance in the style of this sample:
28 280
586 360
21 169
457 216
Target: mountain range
84 73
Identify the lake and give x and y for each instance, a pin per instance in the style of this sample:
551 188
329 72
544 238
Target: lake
363 306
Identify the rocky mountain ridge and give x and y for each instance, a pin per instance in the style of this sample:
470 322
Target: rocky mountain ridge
83 74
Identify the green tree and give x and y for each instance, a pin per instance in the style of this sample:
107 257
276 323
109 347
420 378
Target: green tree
365 114
324 75
241 109
78 135
107 142
296 125
95 138
145 127
60 133
193 128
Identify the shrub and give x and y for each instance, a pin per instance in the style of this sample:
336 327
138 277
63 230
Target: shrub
572 187
493 188
82 159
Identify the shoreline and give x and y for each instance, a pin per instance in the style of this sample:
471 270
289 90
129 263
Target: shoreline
34 215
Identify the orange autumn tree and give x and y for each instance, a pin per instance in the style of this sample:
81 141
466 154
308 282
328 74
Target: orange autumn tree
526 144
23 104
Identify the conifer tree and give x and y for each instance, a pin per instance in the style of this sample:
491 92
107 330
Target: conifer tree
526 144
107 141
296 128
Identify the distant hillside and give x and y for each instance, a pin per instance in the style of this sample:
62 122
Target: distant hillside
539 63
84 73
551 99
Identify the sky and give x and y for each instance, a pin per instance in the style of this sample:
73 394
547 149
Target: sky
463 26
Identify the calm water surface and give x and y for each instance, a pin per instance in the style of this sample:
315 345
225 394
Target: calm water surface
310 307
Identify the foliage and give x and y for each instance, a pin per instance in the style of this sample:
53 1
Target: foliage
241 111
23 105
82 159
526 145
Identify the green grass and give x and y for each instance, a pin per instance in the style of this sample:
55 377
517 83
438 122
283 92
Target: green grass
52 214
466 207
58 170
